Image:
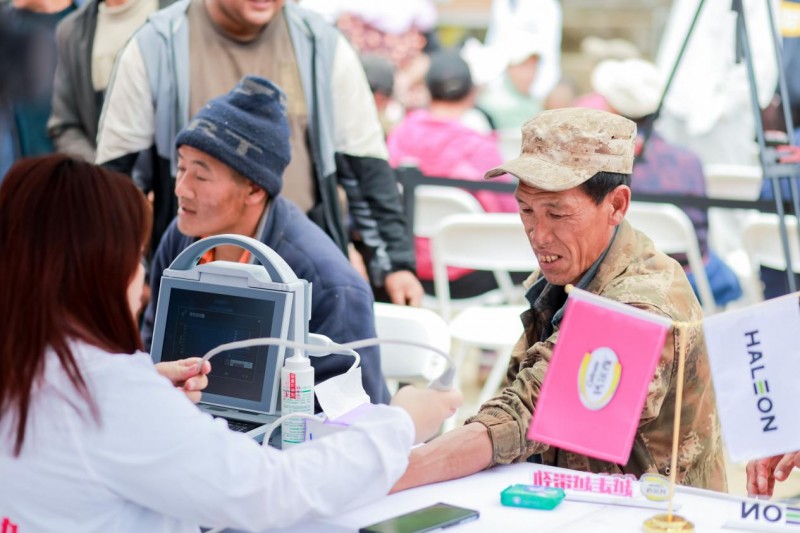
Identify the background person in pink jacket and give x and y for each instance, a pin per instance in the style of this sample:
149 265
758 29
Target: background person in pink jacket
451 139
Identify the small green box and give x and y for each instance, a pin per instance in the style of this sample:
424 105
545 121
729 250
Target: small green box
532 497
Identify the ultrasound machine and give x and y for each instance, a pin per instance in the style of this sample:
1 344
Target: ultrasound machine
203 306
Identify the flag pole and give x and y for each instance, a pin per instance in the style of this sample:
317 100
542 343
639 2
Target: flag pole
676 428
672 522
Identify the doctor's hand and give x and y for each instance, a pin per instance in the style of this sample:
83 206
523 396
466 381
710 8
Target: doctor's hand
404 288
184 375
428 408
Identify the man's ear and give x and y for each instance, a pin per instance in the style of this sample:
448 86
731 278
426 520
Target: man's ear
256 194
619 199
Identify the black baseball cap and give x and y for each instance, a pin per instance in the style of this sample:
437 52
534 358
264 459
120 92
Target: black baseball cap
448 76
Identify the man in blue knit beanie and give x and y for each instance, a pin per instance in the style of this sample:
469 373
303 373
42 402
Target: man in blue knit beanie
231 159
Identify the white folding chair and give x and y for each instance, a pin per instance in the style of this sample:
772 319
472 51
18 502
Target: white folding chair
672 232
409 363
433 203
489 241
496 328
738 182
735 182
762 240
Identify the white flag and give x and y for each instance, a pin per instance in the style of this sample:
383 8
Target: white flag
755 365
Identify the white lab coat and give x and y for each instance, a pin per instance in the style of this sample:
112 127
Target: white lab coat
157 463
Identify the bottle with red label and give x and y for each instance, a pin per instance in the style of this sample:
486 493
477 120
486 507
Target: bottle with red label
297 396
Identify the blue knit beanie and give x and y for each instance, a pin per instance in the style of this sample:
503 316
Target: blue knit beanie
247 130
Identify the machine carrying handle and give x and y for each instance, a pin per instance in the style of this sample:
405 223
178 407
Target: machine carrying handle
274 264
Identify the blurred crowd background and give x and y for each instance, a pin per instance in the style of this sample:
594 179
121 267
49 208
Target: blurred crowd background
453 81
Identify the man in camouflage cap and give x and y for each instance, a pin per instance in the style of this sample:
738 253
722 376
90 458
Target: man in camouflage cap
573 193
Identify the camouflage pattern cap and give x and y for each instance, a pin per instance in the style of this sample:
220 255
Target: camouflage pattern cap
562 148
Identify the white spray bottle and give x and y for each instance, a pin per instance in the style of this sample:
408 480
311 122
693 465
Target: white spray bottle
297 396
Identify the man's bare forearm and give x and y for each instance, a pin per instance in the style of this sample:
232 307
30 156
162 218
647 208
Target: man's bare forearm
455 454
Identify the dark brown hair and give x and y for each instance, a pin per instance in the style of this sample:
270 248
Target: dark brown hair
71 235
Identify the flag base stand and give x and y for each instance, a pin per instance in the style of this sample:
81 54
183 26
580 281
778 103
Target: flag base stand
669 523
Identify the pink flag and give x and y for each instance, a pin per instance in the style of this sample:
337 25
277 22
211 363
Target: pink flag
594 390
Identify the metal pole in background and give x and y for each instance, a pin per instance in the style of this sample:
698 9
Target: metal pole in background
783 171
649 129
783 90
743 42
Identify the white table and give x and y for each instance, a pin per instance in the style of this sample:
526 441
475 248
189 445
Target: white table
482 492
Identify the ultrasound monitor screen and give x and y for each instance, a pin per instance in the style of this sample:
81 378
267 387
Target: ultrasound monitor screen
197 321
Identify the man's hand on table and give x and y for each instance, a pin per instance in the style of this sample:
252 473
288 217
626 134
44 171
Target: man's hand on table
762 473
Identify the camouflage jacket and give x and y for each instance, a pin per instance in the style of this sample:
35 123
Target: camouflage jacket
635 273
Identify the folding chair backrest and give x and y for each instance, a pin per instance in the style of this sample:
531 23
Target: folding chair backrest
432 204
485 241
672 233
738 182
400 362
762 240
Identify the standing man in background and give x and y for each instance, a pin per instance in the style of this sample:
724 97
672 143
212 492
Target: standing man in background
88 42
196 50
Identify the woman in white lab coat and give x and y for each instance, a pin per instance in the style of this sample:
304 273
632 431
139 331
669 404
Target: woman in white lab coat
93 437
